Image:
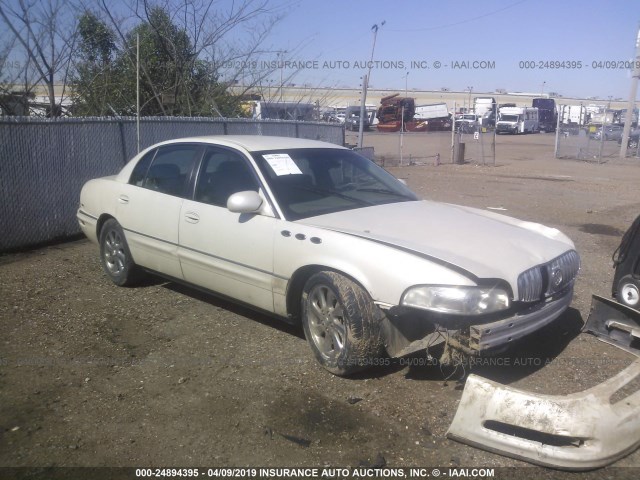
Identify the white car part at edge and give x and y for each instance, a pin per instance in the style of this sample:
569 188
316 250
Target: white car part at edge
580 431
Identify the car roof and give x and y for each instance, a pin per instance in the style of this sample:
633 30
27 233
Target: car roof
254 143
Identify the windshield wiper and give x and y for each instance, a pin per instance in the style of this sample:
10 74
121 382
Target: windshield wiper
334 193
386 191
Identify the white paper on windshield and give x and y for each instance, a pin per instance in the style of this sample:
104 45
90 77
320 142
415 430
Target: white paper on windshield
282 164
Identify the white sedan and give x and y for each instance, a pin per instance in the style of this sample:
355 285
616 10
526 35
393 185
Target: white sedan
317 234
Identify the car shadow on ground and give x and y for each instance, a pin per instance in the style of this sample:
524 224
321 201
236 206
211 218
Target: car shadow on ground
523 358
232 306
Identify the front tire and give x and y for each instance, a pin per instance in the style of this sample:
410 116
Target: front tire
629 292
115 255
341 323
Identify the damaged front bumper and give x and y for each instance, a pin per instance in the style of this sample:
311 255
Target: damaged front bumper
406 331
580 431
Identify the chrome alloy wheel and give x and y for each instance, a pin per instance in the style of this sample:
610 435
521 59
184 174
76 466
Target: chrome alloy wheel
326 321
114 254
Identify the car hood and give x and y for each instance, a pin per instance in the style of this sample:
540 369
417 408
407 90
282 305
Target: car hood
484 244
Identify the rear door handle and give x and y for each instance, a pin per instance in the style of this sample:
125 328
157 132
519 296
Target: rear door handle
123 199
192 217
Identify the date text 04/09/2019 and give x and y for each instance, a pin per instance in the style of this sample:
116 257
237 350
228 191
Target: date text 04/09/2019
286 473
578 64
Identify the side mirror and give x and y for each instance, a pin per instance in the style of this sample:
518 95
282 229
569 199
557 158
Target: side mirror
244 202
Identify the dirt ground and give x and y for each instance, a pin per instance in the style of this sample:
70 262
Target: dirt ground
160 375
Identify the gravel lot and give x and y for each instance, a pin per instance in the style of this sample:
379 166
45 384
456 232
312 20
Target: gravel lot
159 375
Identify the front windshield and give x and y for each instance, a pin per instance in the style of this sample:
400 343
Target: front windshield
509 118
316 181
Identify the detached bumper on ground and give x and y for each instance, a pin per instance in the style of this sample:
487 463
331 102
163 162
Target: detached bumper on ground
581 431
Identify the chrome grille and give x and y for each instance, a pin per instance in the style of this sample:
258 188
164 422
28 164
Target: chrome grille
549 278
530 285
561 271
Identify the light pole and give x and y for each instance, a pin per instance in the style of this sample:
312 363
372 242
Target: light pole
469 107
365 84
402 125
406 78
279 53
603 130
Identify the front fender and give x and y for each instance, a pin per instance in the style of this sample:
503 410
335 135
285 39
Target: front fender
384 271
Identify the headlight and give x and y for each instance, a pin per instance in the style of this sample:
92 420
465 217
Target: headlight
457 300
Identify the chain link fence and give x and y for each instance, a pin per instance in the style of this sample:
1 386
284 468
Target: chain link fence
45 162
474 146
580 137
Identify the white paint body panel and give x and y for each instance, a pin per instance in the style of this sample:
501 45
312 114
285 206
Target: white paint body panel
486 244
150 222
386 248
227 252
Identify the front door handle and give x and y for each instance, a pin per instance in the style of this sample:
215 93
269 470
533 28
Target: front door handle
192 217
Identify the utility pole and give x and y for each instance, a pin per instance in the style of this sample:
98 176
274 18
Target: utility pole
138 91
281 62
632 99
453 133
363 100
402 124
365 84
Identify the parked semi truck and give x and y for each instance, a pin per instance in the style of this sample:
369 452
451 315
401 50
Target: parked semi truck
435 115
634 117
283 110
396 112
547 113
573 115
483 105
517 120
484 108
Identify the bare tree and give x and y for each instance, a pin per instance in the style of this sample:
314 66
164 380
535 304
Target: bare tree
44 34
228 41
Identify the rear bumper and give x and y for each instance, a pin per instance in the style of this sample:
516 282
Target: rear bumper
88 224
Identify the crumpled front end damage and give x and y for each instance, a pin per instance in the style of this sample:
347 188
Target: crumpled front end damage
580 431
406 331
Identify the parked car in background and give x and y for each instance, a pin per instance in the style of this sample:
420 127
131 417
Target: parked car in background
611 132
467 123
320 236
634 138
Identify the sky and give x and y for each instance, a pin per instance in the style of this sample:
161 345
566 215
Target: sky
577 48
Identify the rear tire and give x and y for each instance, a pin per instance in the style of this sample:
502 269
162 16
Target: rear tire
341 323
628 292
115 256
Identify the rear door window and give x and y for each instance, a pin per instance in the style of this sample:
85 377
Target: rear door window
140 170
171 168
